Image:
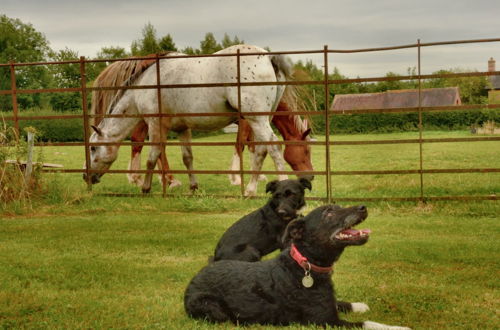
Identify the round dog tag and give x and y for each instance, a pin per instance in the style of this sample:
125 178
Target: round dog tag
307 281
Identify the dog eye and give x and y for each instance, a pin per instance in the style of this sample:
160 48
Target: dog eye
93 148
289 193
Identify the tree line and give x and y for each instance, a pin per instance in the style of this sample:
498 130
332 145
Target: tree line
20 42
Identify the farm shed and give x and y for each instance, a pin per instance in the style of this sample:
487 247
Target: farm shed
407 98
494 87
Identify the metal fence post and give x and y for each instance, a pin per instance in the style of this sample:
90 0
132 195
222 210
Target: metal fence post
420 125
239 141
327 128
163 137
86 132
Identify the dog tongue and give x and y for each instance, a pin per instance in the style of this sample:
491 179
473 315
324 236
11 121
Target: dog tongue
355 232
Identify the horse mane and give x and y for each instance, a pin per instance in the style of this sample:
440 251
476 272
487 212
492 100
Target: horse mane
294 100
117 74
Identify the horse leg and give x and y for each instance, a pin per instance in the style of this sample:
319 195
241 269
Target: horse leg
168 179
187 158
263 132
154 155
138 135
244 134
261 177
235 178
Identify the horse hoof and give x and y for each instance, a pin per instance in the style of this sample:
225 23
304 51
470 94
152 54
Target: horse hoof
235 181
193 187
136 180
174 183
146 190
250 193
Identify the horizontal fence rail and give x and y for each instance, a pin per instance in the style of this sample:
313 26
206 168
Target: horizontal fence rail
327 114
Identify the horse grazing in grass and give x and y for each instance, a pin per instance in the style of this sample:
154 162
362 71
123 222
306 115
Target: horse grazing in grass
291 128
269 68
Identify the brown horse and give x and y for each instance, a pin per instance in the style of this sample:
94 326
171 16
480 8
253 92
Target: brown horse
291 127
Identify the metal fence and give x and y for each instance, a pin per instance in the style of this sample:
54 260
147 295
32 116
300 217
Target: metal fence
327 114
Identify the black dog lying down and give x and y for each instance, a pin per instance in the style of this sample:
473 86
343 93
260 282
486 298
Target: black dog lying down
294 287
259 233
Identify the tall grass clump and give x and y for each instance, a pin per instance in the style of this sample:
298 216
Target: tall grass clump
15 189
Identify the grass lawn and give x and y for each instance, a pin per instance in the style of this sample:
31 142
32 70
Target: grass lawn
78 260
344 158
125 262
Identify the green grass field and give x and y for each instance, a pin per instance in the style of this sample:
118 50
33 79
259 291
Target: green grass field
344 158
78 260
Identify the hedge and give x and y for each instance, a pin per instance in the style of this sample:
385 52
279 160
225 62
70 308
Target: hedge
71 129
401 122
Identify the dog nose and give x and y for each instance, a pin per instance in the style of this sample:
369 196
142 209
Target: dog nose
362 208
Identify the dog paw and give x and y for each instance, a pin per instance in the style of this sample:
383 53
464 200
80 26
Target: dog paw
359 307
375 325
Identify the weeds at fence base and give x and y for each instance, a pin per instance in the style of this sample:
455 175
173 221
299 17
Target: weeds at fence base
16 190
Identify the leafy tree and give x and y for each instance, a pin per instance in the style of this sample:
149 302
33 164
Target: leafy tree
112 53
148 44
228 42
472 89
65 76
167 43
93 69
20 42
191 51
209 45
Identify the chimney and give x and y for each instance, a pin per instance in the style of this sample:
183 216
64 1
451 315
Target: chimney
491 65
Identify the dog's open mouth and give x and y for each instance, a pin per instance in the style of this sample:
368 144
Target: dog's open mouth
351 234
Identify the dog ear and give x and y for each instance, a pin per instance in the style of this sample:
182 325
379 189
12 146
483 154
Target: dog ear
305 183
271 186
294 231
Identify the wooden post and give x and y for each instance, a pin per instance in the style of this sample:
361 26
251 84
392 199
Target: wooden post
29 160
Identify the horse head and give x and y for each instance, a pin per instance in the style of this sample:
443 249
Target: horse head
101 157
299 156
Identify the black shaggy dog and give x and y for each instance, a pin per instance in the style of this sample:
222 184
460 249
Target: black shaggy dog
294 287
260 232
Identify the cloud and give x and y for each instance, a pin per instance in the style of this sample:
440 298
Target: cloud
87 26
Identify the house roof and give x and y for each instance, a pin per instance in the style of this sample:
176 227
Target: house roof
407 98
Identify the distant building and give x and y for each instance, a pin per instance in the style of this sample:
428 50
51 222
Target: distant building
407 98
494 88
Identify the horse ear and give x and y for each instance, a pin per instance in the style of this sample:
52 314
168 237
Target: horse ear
271 186
97 130
294 231
306 133
305 183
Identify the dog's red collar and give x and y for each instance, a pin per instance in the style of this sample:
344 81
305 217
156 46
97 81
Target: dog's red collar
305 264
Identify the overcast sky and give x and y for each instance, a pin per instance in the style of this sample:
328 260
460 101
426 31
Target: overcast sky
283 25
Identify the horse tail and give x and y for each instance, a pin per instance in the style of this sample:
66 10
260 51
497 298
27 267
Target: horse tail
282 64
117 74
295 97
